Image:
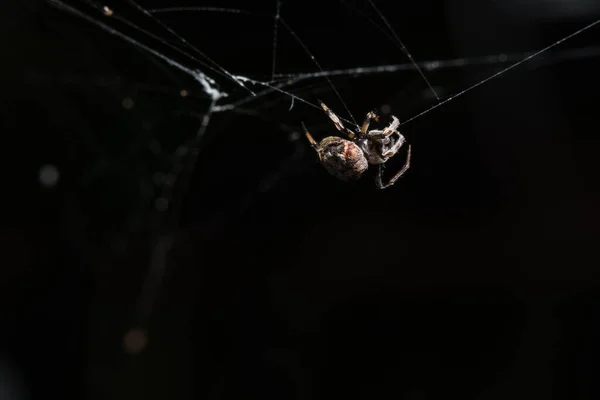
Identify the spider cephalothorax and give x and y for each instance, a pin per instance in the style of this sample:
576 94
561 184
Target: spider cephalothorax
349 159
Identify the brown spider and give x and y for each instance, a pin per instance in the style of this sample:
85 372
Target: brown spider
349 159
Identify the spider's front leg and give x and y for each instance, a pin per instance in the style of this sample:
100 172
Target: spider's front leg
394 148
336 121
365 126
376 134
392 127
379 179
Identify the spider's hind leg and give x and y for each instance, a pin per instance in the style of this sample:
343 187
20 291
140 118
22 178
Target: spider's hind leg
379 179
311 140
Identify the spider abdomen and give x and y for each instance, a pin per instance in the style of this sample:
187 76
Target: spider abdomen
342 158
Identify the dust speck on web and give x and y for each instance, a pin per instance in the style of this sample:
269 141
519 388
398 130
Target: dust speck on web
273 62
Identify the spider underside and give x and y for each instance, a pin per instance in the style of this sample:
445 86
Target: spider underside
347 160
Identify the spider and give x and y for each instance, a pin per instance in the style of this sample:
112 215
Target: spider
349 159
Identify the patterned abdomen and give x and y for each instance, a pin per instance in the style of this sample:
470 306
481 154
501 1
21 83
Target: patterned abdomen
342 158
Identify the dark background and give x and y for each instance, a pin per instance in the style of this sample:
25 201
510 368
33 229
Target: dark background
474 277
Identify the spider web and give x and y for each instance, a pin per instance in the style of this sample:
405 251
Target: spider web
282 87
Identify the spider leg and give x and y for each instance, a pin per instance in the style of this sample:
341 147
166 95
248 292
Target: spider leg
365 126
311 140
380 134
395 147
379 179
336 121
392 127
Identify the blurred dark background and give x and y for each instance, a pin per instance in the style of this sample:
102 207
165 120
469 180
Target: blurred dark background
475 276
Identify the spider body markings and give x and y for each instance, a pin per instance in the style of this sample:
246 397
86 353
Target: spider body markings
348 159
